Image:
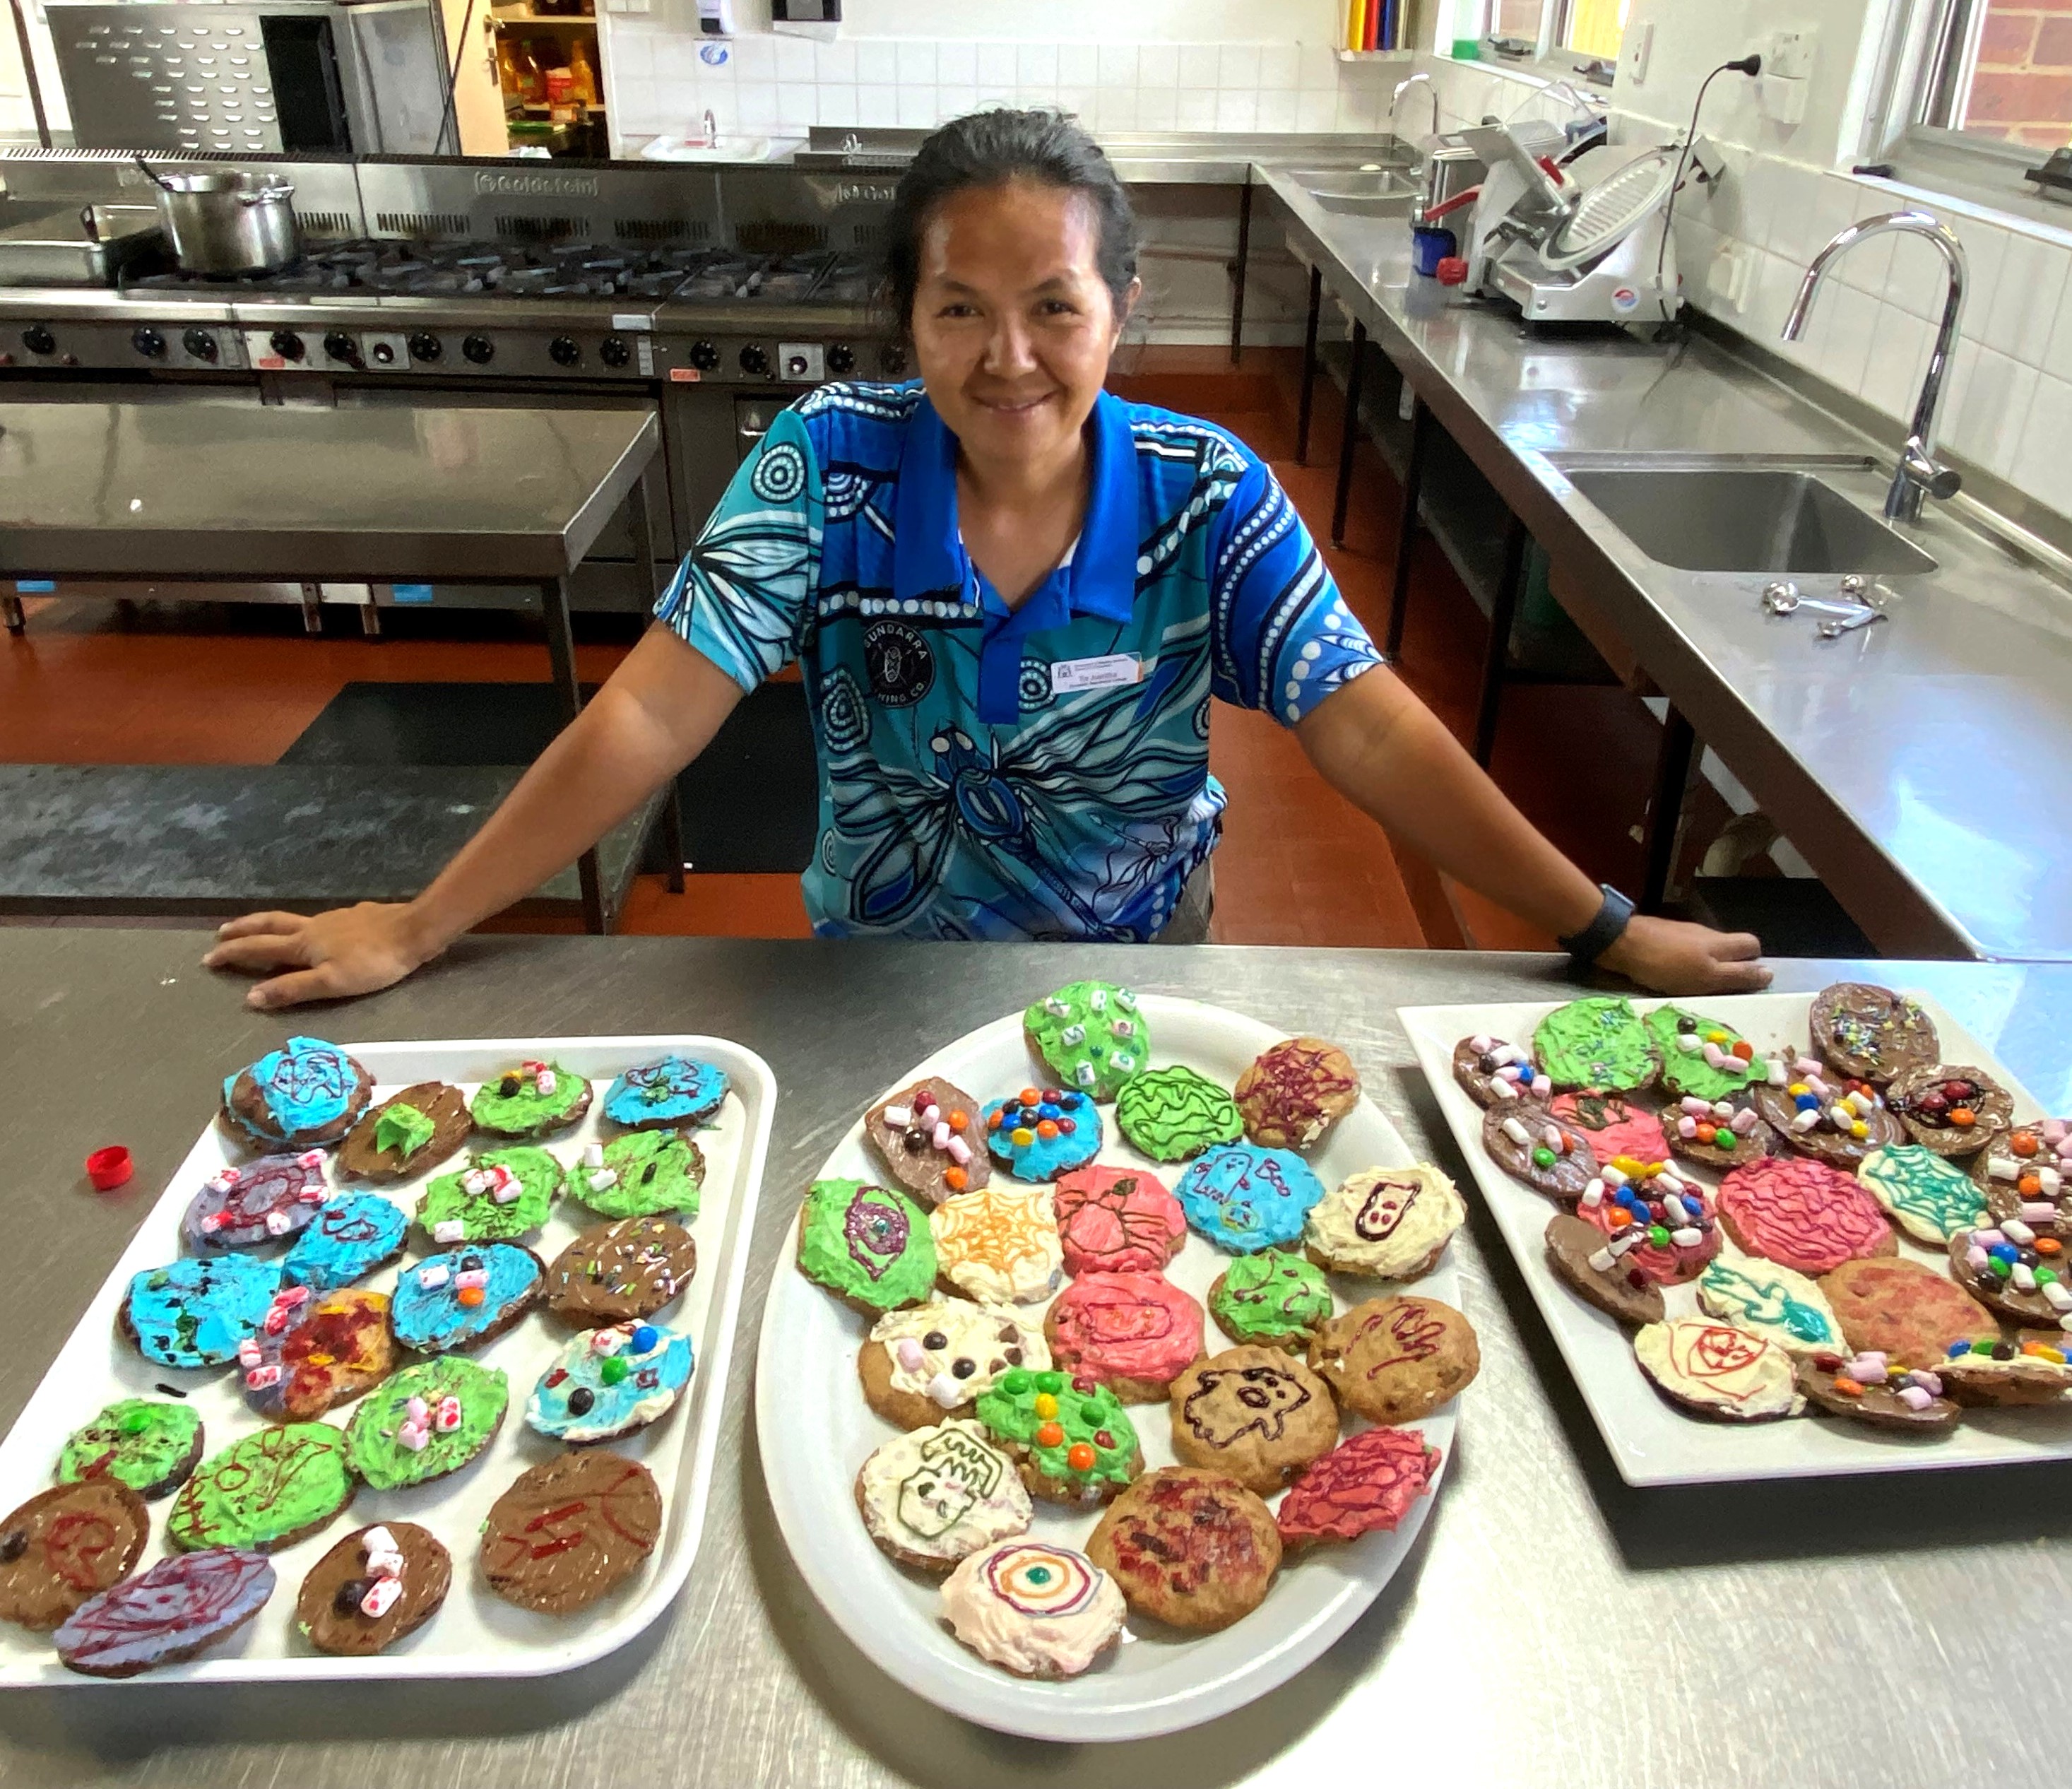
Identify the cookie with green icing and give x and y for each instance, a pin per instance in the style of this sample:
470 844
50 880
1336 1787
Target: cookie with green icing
1271 1298
1597 1043
643 1173
534 1099
1774 1302
407 1133
1071 1438
1171 1114
428 1421
149 1446
500 1195
870 1246
1702 1058
1929 1196
265 1491
1090 1035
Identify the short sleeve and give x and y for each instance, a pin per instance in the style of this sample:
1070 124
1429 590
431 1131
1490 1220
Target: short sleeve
745 592
1281 638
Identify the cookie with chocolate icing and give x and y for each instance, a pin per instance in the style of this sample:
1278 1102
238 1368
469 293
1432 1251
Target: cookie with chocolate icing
630 1268
1492 1072
265 1490
1718 1133
570 1530
181 1606
315 1350
1131 1332
1816 1114
1274 1298
2028 1175
1090 1035
530 1101
1582 1256
930 1138
1993 1371
1396 1360
1256 1413
938 1493
1955 1111
1117 1220
430 1420
1385 1223
377 1585
1190 1548
870 1246
2009 1275
1900 1309
1535 1148
1173 1114
1870 1390
931 1362
1803 1214
304 1096
260 1203
407 1133
1869 1033
1597 1044
67 1544
1367 1484
1292 1095
149 1444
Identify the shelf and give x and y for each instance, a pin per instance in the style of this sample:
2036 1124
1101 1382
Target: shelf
1373 56
546 21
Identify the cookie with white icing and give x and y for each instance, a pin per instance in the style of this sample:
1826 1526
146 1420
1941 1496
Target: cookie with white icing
1385 1223
999 1244
936 1495
1719 1371
1773 1302
925 1364
1034 1608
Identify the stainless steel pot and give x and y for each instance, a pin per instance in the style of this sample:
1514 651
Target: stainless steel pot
223 220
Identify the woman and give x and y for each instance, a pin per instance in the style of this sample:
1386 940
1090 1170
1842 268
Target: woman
1012 596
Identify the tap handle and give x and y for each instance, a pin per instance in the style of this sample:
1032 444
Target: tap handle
1945 483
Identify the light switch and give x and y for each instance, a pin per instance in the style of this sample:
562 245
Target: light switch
1639 46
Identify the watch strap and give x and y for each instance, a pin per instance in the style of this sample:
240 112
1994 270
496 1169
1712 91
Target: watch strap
1602 932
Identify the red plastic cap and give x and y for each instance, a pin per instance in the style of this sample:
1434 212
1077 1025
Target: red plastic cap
109 1168
1453 271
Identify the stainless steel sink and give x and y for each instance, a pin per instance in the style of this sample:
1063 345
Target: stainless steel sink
1367 193
1744 519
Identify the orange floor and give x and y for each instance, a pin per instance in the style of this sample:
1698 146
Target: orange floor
169 684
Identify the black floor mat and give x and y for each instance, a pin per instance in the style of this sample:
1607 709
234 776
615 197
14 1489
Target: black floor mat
750 801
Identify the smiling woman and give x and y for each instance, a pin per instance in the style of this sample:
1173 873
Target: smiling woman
1011 596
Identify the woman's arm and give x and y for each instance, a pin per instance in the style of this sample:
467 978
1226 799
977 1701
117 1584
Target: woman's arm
1387 754
656 713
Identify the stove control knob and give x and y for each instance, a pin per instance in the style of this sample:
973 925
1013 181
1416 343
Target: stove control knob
338 346
425 346
478 349
38 339
563 351
755 360
613 350
383 354
704 356
148 343
200 343
841 358
894 358
287 344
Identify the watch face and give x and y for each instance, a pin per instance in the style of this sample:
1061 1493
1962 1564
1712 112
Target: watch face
901 664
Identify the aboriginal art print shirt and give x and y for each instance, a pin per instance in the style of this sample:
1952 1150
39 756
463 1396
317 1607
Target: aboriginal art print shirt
988 773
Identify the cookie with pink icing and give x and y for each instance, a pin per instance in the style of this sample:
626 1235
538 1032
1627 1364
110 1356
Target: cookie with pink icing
1616 1127
1803 1214
1117 1220
1131 1332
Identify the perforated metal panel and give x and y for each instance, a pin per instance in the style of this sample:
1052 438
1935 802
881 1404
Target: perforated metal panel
167 77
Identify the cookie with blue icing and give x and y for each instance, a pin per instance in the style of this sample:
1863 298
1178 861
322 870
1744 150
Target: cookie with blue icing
464 1297
350 1236
1244 1199
609 1382
302 1097
1043 1132
665 1093
195 1313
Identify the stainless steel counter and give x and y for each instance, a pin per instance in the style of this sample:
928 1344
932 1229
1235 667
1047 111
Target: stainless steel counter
1555 1627
1908 761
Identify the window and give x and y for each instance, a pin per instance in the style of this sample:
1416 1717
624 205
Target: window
1568 32
1593 28
2001 68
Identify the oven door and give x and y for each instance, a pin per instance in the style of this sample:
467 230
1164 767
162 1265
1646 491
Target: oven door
707 432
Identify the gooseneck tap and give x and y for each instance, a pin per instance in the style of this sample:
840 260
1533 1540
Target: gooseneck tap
1919 473
1402 87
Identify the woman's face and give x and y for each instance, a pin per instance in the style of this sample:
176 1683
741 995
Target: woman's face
1013 324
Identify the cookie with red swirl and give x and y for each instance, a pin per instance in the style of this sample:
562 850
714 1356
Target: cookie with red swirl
1368 1482
1293 1093
1190 1548
1803 1214
67 1544
1396 1360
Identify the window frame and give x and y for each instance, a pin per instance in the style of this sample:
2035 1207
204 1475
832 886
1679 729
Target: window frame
1549 56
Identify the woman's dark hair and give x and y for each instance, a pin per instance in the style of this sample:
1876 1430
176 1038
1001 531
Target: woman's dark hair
988 149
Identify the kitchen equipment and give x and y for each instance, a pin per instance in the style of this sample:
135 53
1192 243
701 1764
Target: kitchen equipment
1428 246
225 221
71 245
1451 169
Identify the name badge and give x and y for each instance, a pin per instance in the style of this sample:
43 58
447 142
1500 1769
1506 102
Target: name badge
1069 675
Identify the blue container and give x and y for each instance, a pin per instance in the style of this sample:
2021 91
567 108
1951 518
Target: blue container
1428 246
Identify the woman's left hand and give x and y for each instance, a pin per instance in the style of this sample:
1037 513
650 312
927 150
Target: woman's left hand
1672 956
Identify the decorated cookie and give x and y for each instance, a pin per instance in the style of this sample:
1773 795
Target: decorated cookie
1719 1371
1659 1225
302 1097
1989 1370
1493 1073
1133 1332
1385 1223
924 1365
1898 1308
666 1094
999 1244
1396 1360
1367 1484
1117 1220
407 1133
1034 1609
1773 1302
1803 1214
1871 1033
1274 1299
260 1203
534 1099
374 1587
2011 1269
315 1350
501 1196
1191 1548
194 1313
1173 1114
938 1494
609 1382
616 1272
1090 1035
66 1544
1582 1257
1537 1149
351 1235
870 1246
1869 1388
1244 1199
428 1421
149 1444
1290 1096
1702 1058
930 1138
1616 1130
1927 1194
1042 1131
1596 1042
265 1490
1816 1113
1254 1413
644 1173
2028 1175
568 1531
1955 1112
183 1605
1720 1134
464 1298
1072 1441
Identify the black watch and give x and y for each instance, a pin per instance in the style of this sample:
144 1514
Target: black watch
1602 932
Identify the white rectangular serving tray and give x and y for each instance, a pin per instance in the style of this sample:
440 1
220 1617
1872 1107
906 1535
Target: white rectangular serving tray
476 1633
1652 1443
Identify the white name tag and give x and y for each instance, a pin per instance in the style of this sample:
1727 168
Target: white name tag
1070 675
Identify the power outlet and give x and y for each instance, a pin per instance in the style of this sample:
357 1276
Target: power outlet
1789 56
1639 50
1728 276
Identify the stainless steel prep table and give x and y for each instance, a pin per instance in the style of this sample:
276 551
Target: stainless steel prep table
1556 1627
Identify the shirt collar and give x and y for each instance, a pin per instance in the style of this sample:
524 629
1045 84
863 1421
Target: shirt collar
927 552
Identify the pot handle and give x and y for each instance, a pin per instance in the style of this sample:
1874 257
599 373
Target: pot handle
265 196
152 174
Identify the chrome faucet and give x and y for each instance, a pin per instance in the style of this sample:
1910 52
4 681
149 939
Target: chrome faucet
712 130
1917 473
1403 87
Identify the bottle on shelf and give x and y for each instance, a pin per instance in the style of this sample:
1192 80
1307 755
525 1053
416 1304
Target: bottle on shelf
532 79
582 73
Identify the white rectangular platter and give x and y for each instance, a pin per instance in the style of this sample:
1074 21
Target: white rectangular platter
1651 1442
476 1633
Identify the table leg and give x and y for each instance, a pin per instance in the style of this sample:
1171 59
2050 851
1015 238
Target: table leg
1665 812
10 606
1406 525
312 608
673 837
1503 610
1244 254
643 543
561 649
1350 438
1309 366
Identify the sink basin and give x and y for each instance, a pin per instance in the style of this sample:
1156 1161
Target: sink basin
1746 520
1328 184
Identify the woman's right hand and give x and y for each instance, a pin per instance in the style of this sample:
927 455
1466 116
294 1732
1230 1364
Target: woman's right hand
350 950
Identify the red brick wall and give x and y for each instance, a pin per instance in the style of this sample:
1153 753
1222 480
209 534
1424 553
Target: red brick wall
2023 90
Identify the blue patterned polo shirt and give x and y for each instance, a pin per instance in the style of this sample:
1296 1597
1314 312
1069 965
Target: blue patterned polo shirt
1039 772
